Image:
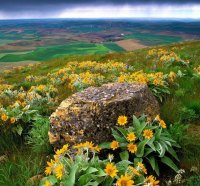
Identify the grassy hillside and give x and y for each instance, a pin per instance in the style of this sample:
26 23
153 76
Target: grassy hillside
172 73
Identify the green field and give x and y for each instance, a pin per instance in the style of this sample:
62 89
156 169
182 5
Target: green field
154 39
46 53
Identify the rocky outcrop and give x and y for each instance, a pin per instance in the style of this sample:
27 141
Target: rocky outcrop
90 114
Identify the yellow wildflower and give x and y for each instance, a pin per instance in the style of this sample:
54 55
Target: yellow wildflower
162 124
48 169
132 147
62 150
111 170
148 134
4 117
122 120
12 120
114 145
47 183
131 136
59 170
134 171
141 167
125 181
150 180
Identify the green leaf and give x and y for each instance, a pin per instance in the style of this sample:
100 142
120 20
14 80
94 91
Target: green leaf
173 153
117 136
18 130
95 183
122 131
122 165
91 170
71 178
152 146
105 145
148 151
124 155
162 150
108 181
157 168
100 173
166 160
139 126
140 150
152 162
158 133
84 179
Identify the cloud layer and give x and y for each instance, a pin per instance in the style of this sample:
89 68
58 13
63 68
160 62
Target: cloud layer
12 9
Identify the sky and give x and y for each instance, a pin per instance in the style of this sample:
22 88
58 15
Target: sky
25 9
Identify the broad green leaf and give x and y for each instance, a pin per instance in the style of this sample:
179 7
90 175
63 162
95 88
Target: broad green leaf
157 168
84 179
122 131
71 178
105 145
122 165
95 183
91 170
140 150
148 151
162 150
152 162
166 160
173 153
117 136
158 133
100 172
124 155
152 146
108 181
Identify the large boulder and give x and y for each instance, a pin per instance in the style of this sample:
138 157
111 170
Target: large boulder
90 114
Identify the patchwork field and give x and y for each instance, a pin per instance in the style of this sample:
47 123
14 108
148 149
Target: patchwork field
40 40
130 44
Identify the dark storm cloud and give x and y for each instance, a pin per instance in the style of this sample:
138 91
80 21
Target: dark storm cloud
35 4
14 9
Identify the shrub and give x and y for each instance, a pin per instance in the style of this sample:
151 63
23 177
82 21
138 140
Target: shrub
85 169
145 141
38 136
193 181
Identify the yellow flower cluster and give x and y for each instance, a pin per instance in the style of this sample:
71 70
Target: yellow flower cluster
197 69
157 79
164 55
88 146
55 166
128 178
161 122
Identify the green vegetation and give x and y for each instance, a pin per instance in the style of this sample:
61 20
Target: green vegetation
154 39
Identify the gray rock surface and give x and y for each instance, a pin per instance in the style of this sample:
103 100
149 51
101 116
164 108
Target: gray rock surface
90 114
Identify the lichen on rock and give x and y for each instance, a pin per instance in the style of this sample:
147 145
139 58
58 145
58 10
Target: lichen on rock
90 114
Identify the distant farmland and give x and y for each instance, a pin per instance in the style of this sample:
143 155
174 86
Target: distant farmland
46 53
40 40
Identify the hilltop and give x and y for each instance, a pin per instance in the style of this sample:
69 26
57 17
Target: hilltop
30 93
